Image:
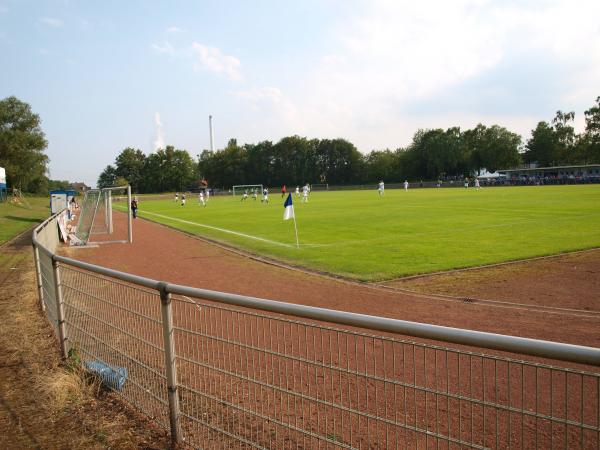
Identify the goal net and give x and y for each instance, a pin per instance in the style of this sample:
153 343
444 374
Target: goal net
319 187
240 188
97 221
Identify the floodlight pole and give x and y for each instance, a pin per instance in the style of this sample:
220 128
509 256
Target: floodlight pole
129 218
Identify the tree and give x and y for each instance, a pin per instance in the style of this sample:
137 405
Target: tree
338 162
22 145
167 169
58 185
541 147
107 177
380 165
555 144
293 161
435 153
181 170
564 136
120 181
260 163
129 165
592 133
493 148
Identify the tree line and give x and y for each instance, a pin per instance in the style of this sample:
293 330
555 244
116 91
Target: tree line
432 154
294 160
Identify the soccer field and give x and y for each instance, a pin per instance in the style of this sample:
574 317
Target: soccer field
361 235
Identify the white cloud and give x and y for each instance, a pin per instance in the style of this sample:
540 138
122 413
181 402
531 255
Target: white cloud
165 48
204 58
392 56
51 22
211 59
174 29
270 100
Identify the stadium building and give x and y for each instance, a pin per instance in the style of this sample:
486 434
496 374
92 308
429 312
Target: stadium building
553 175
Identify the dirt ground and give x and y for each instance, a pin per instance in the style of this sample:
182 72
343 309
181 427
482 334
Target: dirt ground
162 253
570 281
533 293
44 403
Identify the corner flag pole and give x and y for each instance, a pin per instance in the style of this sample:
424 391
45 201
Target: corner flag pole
296 230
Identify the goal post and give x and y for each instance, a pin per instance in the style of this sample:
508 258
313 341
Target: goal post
319 187
97 221
240 188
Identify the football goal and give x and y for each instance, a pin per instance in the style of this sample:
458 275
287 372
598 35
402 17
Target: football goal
240 188
97 221
319 187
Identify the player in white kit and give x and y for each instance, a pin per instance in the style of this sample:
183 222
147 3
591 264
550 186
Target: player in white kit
201 198
305 193
406 185
381 188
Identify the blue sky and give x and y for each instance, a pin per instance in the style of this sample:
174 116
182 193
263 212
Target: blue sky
107 75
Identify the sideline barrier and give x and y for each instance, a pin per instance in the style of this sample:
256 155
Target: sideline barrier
223 370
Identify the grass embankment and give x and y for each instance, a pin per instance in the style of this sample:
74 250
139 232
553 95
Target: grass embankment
15 219
367 237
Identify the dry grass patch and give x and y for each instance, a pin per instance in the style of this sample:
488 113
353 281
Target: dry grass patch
45 403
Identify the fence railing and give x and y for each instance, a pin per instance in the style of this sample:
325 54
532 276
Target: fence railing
228 371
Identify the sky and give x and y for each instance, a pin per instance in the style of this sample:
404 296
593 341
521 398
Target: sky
108 75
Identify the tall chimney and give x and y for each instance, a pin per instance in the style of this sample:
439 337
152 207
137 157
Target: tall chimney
212 138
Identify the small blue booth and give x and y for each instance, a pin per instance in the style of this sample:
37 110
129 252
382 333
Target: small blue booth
60 199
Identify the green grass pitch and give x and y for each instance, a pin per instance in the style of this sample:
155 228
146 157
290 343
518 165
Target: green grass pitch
361 235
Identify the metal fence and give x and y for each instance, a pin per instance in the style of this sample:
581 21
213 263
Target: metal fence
228 371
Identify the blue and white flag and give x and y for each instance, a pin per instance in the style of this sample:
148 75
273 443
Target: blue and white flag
288 213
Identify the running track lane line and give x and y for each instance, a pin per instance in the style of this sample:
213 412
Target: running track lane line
268 241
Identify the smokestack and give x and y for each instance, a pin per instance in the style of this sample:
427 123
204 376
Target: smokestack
212 138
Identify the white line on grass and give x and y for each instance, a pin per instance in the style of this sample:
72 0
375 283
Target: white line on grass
268 241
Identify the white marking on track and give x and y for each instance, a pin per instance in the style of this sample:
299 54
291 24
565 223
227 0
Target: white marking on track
223 230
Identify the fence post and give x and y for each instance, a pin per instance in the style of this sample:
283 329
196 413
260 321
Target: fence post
60 313
129 218
109 212
38 276
170 363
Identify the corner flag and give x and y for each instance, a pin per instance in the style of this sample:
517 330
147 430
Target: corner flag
288 213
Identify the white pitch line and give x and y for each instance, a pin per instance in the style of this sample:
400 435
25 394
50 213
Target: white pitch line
268 241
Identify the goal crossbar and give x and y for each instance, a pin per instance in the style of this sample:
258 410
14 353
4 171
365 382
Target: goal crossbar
240 188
